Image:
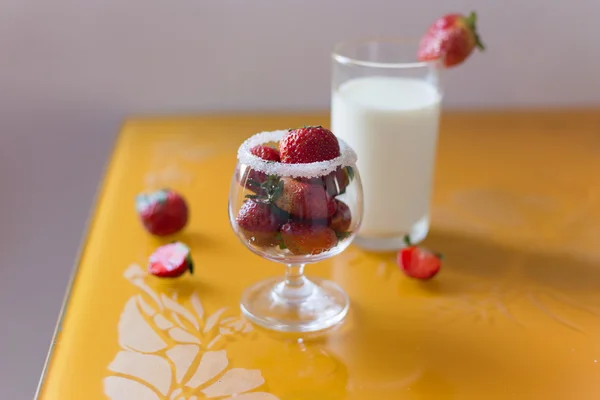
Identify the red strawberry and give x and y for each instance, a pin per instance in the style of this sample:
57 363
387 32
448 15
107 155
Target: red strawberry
332 205
307 145
452 38
265 152
170 260
336 182
418 262
305 239
258 223
304 200
163 212
250 178
340 222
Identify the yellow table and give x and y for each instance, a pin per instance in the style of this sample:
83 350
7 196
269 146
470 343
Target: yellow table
514 313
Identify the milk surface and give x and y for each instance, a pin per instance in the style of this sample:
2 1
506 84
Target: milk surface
392 124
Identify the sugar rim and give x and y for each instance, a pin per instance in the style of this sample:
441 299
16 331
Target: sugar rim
346 158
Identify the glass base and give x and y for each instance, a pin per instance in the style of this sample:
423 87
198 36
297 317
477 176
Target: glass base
316 305
417 234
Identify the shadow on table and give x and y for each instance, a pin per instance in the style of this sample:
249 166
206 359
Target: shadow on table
480 258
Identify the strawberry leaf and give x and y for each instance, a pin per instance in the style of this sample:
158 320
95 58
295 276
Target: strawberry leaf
269 191
279 239
342 235
471 21
190 264
277 192
350 172
253 183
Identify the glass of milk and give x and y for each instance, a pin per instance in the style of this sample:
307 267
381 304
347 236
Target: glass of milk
386 106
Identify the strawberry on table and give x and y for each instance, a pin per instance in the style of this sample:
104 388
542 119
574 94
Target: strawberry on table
307 145
306 239
451 38
163 212
418 262
170 261
259 223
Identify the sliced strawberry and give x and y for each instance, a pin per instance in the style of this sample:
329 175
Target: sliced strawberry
305 239
163 212
418 262
259 223
307 145
170 260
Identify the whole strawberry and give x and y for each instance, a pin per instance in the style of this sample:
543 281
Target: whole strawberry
451 38
304 200
170 261
305 239
342 218
265 152
307 145
162 212
418 262
259 223
336 182
252 179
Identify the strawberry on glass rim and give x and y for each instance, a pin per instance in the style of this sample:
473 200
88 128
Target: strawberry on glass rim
308 144
451 39
305 208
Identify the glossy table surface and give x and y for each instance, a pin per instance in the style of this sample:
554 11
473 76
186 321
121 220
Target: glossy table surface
514 312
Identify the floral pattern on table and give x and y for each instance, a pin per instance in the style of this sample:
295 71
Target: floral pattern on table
175 350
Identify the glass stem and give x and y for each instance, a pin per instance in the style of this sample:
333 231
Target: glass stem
295 287
294 275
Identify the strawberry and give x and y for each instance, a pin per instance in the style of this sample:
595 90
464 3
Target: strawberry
332 205
340 221
451 38
163 212
304 200
170 261
251 179
418 262
259 223
305 239
336 182
307 145
265 152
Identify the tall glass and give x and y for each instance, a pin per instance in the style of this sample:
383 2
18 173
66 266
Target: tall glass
386 106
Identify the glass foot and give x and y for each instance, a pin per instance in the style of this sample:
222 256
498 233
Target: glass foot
315 305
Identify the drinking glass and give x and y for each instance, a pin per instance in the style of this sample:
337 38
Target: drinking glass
386 106
295 214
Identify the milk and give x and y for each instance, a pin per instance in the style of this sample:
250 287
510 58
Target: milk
392 124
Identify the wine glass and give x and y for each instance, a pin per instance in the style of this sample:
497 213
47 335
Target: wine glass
295 214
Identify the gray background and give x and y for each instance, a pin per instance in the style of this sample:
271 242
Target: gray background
71 70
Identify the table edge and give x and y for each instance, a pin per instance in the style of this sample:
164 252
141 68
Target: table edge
78 256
